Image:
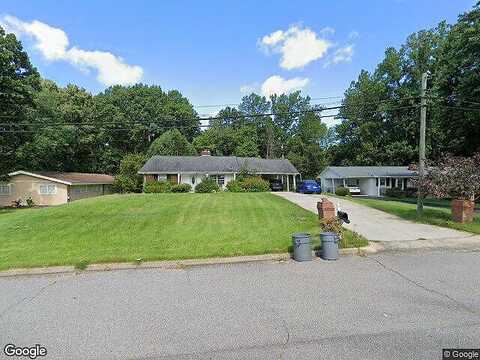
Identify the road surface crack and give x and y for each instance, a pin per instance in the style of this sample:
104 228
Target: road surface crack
423 287
27 299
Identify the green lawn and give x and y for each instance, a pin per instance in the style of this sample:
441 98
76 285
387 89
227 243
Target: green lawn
153 227
439 215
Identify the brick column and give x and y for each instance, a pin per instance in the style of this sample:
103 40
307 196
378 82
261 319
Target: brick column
463 210
326 209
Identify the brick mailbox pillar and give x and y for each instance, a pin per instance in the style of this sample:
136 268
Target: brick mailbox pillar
463 210
326 209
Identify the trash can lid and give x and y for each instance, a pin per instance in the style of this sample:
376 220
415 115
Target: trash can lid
328 233
299 235
329 237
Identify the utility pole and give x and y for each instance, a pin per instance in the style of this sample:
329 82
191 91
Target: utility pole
421 147
269 130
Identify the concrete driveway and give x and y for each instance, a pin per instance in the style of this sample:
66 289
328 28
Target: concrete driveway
387 306
376 225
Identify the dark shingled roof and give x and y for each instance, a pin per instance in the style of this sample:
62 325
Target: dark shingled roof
339 172
78 178
216 164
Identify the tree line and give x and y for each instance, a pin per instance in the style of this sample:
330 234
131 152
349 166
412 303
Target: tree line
44 126
47 127
380 113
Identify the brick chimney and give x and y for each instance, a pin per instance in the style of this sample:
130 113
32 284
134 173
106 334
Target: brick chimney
205 152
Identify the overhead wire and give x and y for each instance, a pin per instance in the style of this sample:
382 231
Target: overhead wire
172 126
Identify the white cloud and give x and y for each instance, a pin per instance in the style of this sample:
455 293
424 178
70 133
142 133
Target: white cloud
277 85
298 46
53 44
344 54
274 38
111 69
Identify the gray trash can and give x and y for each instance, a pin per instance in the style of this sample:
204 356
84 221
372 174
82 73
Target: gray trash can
302 250
329 245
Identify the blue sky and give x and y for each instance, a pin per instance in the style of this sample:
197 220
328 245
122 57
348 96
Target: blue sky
211 50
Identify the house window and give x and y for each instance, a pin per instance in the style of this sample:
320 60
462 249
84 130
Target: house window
161 177
220 179
382 181
48 189
353 182
5 190
388 182
85 189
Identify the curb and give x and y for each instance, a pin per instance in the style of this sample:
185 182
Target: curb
172 264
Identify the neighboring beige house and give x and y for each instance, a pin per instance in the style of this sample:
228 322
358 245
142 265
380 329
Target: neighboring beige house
53 188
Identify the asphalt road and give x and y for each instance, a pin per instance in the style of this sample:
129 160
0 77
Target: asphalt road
388 306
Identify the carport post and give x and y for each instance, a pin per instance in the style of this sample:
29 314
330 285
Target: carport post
294 182
288 182
178 178
378 187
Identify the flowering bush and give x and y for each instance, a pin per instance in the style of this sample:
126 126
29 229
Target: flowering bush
453 176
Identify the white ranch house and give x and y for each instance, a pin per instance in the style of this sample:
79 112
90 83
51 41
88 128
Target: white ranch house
191 169
372 180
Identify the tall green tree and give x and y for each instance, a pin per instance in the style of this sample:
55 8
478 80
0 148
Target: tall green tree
127 179
130 118
171 142
456 86
380 110
19 81
63 137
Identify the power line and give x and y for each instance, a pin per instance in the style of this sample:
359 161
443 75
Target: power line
102 125
457 107
272 113
210 118
193 126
